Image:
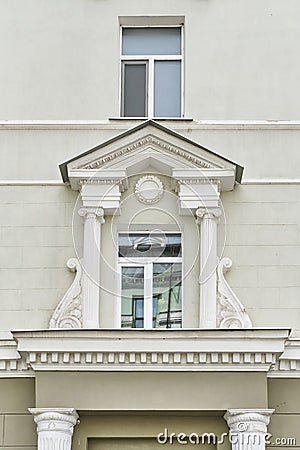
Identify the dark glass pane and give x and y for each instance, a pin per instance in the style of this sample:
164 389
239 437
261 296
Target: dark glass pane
167 88
151 41
134 95
167 305
150 245
132 308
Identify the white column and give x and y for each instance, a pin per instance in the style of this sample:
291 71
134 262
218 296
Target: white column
54 427
93 219
248 428
208 219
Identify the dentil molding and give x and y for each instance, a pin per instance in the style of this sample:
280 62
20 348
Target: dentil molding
151 350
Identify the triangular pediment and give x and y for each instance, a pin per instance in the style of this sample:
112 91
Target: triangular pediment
148 144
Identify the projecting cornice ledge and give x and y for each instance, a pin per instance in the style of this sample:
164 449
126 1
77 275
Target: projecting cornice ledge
153 350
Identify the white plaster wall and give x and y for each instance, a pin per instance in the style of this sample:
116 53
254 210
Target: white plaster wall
61 59
35 244
35 153
263 240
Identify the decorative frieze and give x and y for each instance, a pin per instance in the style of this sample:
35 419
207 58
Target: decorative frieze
131 360
123 184
199 350
288 364
145 142
152 350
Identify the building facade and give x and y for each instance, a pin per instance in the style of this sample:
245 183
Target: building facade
150 225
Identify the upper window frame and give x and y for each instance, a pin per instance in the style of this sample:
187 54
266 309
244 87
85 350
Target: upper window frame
149 61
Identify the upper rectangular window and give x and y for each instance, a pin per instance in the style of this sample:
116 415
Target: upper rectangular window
151 72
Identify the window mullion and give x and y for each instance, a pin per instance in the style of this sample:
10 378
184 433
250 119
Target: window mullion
148 274
151 88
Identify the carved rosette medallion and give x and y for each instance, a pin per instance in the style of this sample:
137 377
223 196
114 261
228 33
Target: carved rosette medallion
149 189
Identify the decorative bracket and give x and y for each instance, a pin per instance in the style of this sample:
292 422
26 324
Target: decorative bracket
231 312
68 313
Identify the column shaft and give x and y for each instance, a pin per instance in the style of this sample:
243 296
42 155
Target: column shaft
93 219
208 220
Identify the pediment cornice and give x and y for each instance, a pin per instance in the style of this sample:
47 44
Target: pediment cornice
150 143
147 143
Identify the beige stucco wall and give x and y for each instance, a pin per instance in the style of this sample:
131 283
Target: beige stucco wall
284 397
62 59
17 428
151 391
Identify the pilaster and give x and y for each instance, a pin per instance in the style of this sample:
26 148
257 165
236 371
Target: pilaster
208 219
93 219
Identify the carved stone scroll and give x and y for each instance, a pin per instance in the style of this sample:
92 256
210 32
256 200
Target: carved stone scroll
68 313
231 312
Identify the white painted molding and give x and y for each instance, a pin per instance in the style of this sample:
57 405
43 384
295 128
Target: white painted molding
31 183
11 363
116 123
55 427
231 313
248 427
267 350
152 350
262 181
68 313
288 365
245 181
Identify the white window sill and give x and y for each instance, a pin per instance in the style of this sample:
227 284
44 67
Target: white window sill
171 119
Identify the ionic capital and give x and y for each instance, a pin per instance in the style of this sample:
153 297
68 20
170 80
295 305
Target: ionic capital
89 213
208 213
